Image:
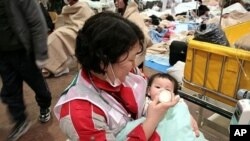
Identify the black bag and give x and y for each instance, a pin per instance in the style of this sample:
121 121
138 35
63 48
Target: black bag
178 52
211 33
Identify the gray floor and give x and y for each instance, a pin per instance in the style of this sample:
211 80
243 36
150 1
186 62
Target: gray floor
51 132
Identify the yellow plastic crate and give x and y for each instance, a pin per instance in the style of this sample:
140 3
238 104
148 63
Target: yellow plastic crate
218 71
236 31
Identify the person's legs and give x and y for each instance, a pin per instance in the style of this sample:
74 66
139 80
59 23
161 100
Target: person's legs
12 90
12 94
33 77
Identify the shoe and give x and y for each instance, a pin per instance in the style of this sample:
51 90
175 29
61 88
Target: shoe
65 71
45 73
44 115
20 128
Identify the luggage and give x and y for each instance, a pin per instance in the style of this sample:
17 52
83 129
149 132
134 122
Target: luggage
211 33
178 52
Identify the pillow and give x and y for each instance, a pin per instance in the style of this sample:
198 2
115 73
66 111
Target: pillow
177 71
243 42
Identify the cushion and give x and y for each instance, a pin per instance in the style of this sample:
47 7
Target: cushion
243 42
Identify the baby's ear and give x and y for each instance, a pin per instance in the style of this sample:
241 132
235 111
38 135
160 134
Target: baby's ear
148 90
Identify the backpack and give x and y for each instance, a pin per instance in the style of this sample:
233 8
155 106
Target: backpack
178 52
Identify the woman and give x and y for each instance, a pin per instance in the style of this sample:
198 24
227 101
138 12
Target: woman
129 10
61 42
105 96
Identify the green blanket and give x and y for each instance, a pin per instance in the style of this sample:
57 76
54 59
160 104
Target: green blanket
175 126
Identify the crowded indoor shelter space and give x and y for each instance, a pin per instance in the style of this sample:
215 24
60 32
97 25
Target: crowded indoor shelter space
116 70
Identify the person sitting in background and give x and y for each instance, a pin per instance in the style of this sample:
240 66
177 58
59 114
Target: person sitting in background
203 12
105 95
129 10
61 42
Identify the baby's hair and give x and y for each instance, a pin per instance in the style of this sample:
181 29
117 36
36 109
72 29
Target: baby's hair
166 76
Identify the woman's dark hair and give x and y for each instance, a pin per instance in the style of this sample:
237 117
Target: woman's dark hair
166 76
103 39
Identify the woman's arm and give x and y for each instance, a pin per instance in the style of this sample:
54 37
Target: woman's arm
88 120
90 123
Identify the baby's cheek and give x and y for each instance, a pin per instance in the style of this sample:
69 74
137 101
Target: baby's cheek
154 93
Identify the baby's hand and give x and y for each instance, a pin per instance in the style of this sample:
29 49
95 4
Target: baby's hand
194 125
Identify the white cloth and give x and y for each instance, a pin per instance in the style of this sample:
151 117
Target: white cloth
184 7
177 71
234 7
107 5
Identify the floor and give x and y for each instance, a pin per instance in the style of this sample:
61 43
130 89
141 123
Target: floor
50 131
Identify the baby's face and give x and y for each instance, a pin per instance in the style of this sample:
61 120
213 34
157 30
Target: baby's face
158 85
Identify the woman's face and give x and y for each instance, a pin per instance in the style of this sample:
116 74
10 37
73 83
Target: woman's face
124 65
119 4
70 2
158 85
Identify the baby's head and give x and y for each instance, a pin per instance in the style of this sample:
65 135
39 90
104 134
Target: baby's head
159 82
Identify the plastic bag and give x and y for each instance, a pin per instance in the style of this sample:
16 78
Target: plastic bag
211 33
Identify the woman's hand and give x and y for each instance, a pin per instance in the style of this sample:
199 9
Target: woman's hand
155 113
158 109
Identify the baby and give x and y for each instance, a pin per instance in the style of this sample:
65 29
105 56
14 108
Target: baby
176 125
